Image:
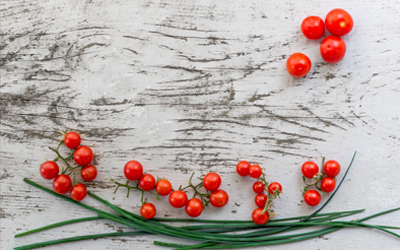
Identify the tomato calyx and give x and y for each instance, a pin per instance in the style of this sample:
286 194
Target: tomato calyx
64 133
204 197
128 187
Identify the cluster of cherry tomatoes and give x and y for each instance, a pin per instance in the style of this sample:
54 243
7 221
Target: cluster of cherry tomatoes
323 181
263 201
333 48
82 156
133 171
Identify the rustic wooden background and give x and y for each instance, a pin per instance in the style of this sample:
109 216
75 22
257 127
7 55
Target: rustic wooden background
187 86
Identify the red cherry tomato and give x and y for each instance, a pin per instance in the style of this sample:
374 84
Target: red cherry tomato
72 140
258 187
147 182
298 65
212 181
178 199
83 156
332 49
78 192
313 27
62 184
309 169
133 170
194 207
219 198
163 187
49 170
148 211
339 22
242 168
89 173
259 217
261 200
328 184
332 168
274 186
312 198
255 171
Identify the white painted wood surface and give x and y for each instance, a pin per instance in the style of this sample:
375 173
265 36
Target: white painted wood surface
187 86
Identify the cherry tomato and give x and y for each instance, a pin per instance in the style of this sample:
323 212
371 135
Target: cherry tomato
133 170
62 184
258 187
274 186
261 200
259 217
332 49
219 198
255 171
163 187
49 170
178 199
328 184
339 22
332 168
83 156
313 27
309 169
89 173
312 198
78 192
242 168
148 211
194 207
298 65
72 140
212 181
147 182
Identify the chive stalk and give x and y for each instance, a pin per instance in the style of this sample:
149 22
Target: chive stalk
58 224
77 238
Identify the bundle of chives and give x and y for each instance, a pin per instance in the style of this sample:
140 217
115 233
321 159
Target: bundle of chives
328 216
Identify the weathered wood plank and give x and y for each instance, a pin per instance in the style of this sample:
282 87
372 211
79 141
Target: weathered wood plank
184 86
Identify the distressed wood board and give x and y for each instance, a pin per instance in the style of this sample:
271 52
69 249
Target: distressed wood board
187 86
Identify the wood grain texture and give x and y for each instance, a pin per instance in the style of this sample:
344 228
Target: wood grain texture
187 86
